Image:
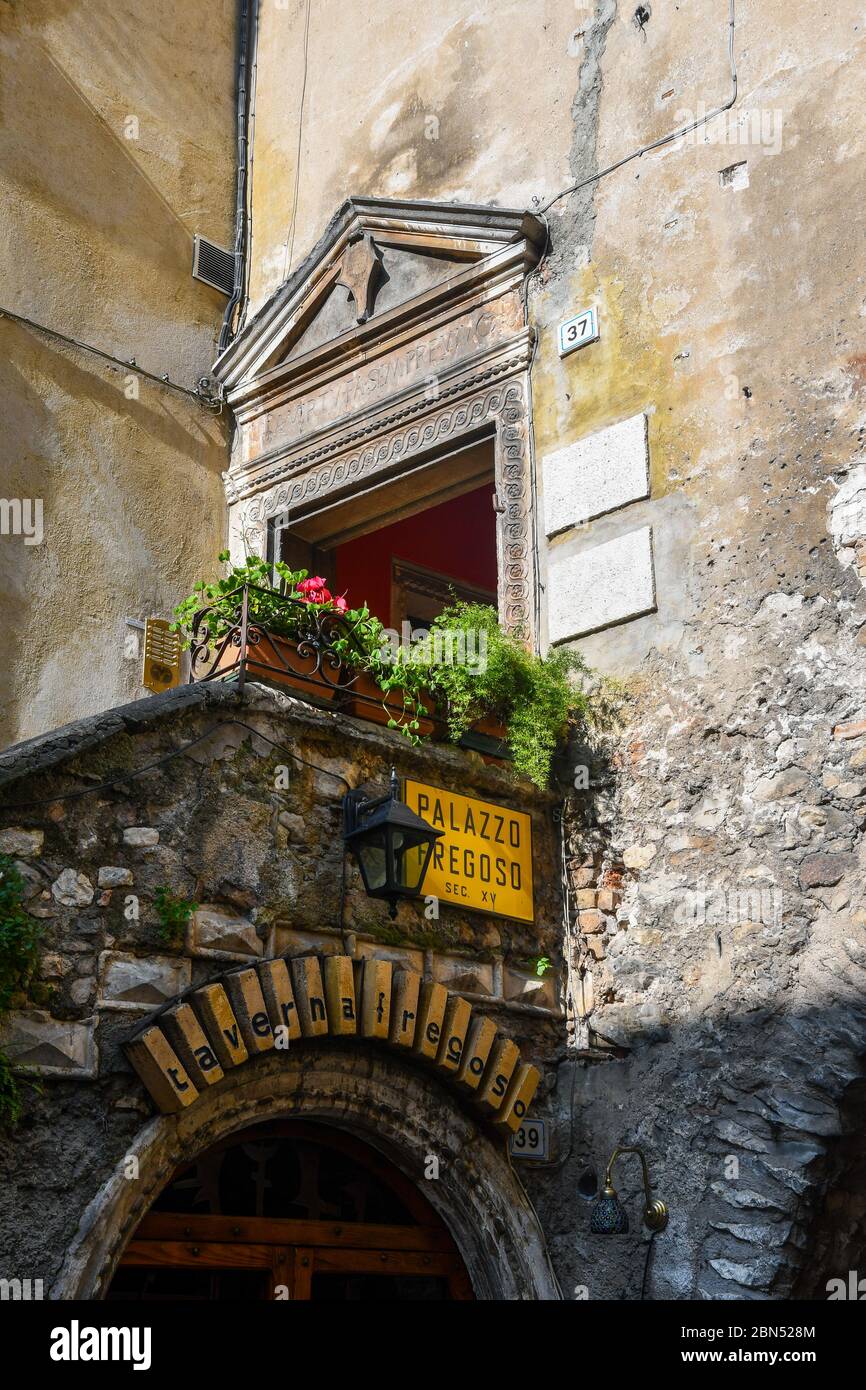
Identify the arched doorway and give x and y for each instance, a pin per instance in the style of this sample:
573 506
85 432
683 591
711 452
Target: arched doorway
290 1209
401 1113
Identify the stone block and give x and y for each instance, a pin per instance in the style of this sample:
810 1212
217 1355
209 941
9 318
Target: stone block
309 996
626 1025
405 998
140 982
161 1071
216 932
592 921
463 974
479 1045
529 988
376 998
458 1017
401 957
279 996
54 967
248 1004
51 1047
286 942
81 991
22 844
192 1045
72 889
596 474
432 1006
596 586
639 856
518 1097
500 1069
141 836
214 1012
340 995
825 870
113 876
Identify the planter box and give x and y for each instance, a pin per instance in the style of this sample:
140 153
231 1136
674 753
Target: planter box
367 700
489 737
277 660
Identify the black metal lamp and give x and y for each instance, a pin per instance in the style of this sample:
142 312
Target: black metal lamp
392 844
609 1216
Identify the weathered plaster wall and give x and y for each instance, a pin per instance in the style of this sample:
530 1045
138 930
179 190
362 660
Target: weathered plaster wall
402 100
96 242
724 986
733 969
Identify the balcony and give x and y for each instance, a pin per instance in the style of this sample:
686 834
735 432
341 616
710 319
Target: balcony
323 655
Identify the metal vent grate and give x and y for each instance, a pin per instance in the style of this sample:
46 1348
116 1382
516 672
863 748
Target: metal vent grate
213 265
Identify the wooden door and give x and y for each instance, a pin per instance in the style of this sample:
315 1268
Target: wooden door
213 1255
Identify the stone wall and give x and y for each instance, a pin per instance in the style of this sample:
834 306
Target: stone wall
218 826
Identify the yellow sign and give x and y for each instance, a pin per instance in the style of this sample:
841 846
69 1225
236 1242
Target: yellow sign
484 859
161 656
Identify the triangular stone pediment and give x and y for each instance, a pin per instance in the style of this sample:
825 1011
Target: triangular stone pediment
379 263
403 275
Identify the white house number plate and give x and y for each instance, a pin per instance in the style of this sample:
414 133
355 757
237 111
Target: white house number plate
578 331
530 1140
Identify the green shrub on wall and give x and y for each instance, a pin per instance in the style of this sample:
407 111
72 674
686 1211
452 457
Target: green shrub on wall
19 959
174 913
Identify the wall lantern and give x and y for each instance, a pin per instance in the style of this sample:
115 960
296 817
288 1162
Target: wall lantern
609 1216
393 846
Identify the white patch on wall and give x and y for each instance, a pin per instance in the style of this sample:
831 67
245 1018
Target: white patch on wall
606 584
736 176
848 518
596 475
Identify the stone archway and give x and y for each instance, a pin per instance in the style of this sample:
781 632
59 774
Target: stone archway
405 1115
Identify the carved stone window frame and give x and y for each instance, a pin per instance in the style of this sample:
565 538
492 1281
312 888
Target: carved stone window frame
483 392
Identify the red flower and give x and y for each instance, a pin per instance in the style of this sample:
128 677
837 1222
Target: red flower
313 590
341 605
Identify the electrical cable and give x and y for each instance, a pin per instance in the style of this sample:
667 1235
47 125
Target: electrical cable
130 365
248 17
649 1250
160 762
251 163
290 249
664 139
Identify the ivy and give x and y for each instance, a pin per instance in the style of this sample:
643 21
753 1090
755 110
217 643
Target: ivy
19 958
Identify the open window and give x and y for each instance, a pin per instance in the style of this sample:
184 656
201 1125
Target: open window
410 545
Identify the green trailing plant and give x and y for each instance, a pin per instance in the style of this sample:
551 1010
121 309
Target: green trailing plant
466 665
19 959
542 965
174 913
536 698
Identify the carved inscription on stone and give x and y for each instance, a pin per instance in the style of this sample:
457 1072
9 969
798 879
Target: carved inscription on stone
382 378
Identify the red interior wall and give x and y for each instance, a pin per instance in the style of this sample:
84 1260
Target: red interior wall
456 538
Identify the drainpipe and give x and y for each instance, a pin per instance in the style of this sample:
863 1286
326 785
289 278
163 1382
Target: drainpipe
248 29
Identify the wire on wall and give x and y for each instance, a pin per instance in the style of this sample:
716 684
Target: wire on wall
290 239
664 139
130 365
